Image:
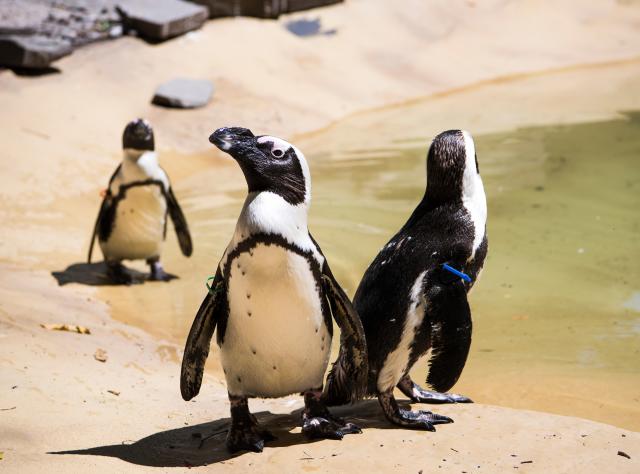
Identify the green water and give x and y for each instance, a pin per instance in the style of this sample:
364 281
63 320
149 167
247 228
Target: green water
557 310
564 233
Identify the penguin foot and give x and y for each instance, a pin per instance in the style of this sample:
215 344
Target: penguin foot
417 420
157 271
245 433
319 423
320 427
247 438
117 273
419 395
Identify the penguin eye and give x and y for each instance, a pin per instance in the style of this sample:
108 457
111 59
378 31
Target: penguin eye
278 153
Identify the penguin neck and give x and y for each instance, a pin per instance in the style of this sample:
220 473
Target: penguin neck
267 212
139 164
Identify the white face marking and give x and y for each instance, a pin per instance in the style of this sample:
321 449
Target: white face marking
395 365
473 197
278 144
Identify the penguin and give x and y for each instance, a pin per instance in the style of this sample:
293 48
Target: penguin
272 302
132 220
410 304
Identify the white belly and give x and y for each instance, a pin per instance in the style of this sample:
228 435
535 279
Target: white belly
276 342
138 231
396 363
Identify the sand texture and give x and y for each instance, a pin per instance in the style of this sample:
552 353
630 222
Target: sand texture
60 137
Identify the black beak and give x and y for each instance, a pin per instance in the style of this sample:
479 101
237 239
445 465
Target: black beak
230 139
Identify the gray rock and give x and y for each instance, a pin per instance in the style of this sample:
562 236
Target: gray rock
297 5
162 19
183 93
260 8
32 52
20 17
255 8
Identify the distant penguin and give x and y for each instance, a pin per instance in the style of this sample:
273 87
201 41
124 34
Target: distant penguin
132 221
409 304
272 301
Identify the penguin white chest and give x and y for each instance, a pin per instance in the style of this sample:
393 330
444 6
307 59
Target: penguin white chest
138 229
276 342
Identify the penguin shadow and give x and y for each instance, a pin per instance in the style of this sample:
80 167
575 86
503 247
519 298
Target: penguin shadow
204 444
95 274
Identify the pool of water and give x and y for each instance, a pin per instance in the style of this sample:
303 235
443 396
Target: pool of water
557 311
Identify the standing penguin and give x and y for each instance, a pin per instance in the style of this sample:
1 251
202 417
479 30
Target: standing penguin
272 301
410 302
132 221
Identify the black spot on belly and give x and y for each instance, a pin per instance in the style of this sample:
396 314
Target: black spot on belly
249 313
274 367
248 296
254 351
239 379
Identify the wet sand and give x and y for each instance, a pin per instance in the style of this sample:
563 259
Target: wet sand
60 136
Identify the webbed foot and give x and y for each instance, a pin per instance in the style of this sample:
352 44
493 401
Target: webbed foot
245 433
157 271
419 395
319 423
417 420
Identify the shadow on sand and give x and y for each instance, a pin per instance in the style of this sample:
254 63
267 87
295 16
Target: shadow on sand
95 274
203 444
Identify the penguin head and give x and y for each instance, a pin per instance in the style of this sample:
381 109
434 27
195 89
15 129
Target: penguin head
138 136
268 163
452 166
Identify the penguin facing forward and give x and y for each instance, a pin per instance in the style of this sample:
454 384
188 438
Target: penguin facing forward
272 301
132 221
409 304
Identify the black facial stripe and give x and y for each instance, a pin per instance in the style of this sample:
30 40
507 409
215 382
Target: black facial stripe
280 175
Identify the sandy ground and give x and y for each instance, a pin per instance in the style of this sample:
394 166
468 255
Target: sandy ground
59 135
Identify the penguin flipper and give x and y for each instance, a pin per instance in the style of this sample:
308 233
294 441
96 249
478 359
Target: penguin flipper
179 223
106 216
450 333
347 380
198 343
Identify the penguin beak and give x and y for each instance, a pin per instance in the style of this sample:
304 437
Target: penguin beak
233 140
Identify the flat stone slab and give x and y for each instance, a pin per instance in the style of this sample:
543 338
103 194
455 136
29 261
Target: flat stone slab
162 19
32 52
183 93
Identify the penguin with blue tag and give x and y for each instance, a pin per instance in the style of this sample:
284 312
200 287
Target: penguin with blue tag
272 301
132 221
412 300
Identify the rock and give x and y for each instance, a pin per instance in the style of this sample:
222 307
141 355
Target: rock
297 5
183 93
32 52
255 8
162 19
20 17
